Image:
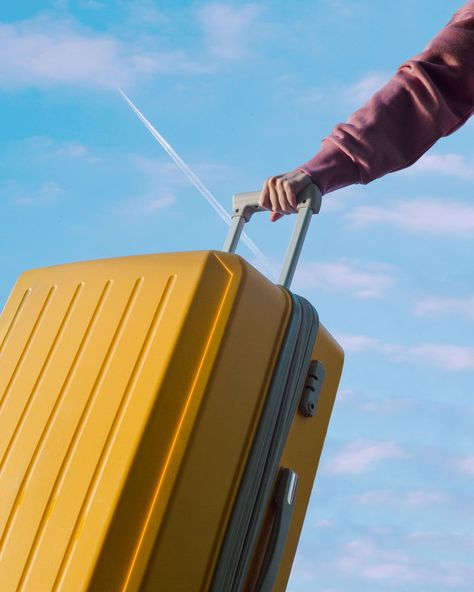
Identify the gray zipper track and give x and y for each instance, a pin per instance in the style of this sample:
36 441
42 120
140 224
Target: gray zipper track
280 407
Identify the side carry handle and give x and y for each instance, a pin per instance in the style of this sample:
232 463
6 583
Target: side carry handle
246 204
284 500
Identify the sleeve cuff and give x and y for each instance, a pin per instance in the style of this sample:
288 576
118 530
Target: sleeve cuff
331 168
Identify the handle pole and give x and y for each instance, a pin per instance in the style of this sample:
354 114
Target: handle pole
294 248
246 204
233 234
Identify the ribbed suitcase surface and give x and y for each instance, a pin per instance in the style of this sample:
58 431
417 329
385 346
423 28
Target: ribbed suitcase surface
103 366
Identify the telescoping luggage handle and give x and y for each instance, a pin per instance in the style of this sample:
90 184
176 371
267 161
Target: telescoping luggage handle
244 205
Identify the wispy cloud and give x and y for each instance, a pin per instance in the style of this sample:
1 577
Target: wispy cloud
147 205
437 305
359 343
363 89
48 193
91 5
166 172
457 165
449 357
229 30
44 147
466 465
418 498
342 8
423 216
44 51
164 181
309 96
48 51
143 13
449 539
359 280
362 456
376 405
365 557
343 199
155 204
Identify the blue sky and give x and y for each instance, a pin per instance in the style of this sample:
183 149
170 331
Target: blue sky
243 91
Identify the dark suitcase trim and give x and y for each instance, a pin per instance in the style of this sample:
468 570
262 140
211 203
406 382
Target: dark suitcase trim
256 487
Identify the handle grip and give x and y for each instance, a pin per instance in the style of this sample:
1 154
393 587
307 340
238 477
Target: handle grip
246 204
284 500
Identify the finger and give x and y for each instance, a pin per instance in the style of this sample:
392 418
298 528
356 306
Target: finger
274 197
264 198
290 193
284 205
274 216
284 198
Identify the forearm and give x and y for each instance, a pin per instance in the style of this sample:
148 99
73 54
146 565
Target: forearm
430 96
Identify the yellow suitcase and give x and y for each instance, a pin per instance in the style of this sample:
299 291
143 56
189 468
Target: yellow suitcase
156 414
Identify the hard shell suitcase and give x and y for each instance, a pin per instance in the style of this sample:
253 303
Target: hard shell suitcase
161 421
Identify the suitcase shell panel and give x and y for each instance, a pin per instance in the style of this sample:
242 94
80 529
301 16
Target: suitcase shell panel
84 458
302 454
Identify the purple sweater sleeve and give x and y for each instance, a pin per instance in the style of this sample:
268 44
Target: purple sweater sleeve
430 96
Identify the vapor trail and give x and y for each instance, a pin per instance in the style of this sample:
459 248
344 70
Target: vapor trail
203 190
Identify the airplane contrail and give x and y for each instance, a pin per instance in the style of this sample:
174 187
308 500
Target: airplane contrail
203 190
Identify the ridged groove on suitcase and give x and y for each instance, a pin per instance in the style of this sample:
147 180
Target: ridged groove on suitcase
69 425
257 483
28 389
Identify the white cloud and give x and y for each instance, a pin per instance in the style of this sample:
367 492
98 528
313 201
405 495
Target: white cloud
358 343
147 205
310 96
91 5
154 204
424 216
447 538
362 90
456 165
343 198
381 405
466 465
360 280
324 523
419 498
229 30
449 357
362 456
44 147
47 51
365 557
164 181
72 150
48 193
143 12
166 172
436 305
44 52
342 8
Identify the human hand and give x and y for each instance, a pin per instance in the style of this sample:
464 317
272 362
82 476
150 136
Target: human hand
279 193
